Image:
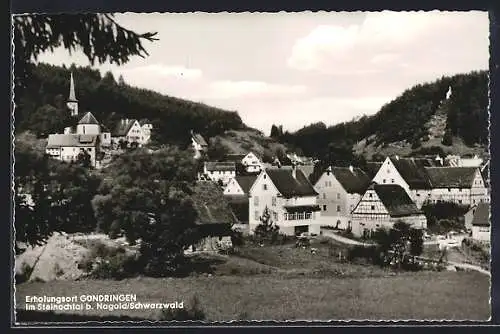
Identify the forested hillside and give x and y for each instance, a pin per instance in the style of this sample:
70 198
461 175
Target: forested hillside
42 108
409 122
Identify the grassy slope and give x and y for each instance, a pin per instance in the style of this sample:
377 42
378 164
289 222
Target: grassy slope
242 141
426 295
283 282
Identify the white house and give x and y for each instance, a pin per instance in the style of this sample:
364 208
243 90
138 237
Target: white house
88 125
409 173
199 145
460 185
250 161
340 189
381 206
237 192
130 131
290 199
481 223
147 127
67 147
218 171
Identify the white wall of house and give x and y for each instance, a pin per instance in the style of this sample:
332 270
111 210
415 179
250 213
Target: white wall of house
265 194
88 129
335 202
136 134
481 233
477 193
388 174
215 175
371 214
70 153
233 188
252 163
105 139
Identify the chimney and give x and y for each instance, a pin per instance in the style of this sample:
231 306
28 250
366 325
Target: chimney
328 170
397 157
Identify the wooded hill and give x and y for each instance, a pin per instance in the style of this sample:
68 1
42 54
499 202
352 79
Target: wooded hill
421 119
42 108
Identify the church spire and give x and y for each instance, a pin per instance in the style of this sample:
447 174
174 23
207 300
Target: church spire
72 96
72 102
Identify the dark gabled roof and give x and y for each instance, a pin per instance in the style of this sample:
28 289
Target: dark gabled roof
482 215
220 166
413 172
88 118
246 182
354 181
123 127
306 169
451 177
396 200
289 186
199 139
210 205
372 168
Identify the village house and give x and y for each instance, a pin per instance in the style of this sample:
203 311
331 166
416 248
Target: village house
481 223
290 199
460 185
237 192
217 171
340 189
130 131
199 145
67 147
427 181
381 206
88 124
249 161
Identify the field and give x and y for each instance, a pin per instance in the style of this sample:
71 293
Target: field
287 283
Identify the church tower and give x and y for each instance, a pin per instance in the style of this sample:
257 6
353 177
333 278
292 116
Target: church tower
72 101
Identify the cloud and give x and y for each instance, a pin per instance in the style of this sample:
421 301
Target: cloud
431 42
226 89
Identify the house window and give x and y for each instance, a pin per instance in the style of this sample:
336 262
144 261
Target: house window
300 215
383 181
264 186
373 207
338 195
256 215
256 201
449 189
324 207
370 195
285 216
265 176
338 208
273 200
326 183
392 180
460 201
308 215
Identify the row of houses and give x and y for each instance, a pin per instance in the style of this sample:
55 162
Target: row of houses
350 198
91 137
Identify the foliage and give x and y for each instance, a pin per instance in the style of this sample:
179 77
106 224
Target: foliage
149 194
405 118
266 232
444 217
51 196
447 138
399 244
192 312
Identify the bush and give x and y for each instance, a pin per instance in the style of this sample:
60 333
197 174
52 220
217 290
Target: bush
369 253
114 230
193 312
24 274
237 238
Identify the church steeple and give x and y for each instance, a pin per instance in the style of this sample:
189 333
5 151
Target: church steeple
72 101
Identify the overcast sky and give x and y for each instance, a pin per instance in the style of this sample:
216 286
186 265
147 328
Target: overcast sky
296 69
